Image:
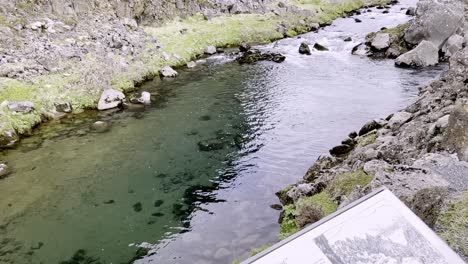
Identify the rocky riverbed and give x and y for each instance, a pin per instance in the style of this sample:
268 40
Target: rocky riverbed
420 152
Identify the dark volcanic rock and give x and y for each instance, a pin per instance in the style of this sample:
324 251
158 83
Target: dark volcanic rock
304 49
341 150
210 144
357 20
369 126
320 47
244 47
253 56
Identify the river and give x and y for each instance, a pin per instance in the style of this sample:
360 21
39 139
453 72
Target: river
78 196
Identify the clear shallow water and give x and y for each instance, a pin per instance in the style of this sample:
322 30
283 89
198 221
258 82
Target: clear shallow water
146 180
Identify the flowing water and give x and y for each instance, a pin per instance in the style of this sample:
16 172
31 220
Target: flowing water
78 196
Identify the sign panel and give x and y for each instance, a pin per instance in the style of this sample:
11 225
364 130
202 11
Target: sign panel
377 228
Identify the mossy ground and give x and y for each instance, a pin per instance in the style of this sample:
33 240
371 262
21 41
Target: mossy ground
453 225
367 139
342 184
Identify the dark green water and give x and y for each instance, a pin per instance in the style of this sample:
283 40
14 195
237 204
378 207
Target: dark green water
97 196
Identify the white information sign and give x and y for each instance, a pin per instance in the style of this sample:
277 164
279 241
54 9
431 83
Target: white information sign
376 229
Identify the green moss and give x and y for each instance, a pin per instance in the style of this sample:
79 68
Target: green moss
323 200
400 29
122 84
26 5
453 225
367 139
255 251
288 224
345 183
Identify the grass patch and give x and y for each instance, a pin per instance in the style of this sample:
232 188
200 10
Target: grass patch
367 140
345 183
255 251
454 225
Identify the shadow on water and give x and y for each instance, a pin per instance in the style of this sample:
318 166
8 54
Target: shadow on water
191 178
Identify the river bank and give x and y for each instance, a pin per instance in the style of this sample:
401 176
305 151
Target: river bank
144 182
59 58
419 153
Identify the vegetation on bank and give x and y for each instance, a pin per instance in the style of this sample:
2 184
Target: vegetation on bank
185 38
311 209
452 225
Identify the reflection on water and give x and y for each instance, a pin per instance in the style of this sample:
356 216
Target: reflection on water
83 197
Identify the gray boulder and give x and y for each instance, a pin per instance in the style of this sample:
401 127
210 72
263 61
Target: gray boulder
361 50
21 107
435 21
398 119
167 71
63 107
425 54
452 45
381 41
110 98
210 50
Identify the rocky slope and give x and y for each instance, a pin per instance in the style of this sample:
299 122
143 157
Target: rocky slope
419 153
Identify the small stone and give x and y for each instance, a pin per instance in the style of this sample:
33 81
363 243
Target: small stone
353 135
4 171
100 126
21 107
277 207
304 49
167 71
357 20
381 41
411 11
210 50
341 150
145 98
347 39
320 47
158 203
191 64
210 145
244 47
314 26
110 98
137 207
369 126
63 107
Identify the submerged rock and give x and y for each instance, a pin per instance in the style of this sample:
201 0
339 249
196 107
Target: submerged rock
425 54
145 98
320 47
347 39
167 71
100 126
4 170
252 56
210 145
304 49
357 20
110 98
21 107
